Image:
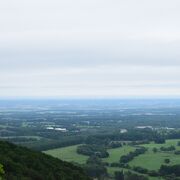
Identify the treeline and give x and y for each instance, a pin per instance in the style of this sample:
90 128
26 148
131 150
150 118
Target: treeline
170 148
95 168
143 135
20 139
106 140
120 175
130 156
132 135
22 163
90 150
170 170
46 144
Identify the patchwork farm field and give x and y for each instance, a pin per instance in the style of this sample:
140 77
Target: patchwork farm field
150 160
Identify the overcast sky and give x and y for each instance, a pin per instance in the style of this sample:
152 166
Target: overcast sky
89 48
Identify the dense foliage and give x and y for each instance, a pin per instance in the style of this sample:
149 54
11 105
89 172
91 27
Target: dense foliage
95 167
90 150
169 170
170 148
120 175
22 163
1 171
130 156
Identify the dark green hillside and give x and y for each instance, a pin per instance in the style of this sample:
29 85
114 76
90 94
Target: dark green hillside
24 164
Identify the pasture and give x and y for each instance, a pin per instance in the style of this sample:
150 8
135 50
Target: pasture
116 153
149 160
68 154
153 161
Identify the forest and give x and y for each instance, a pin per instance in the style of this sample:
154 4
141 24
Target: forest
22 163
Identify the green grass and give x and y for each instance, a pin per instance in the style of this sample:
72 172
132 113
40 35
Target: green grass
172 142
68 154
153 161
116 153
149 160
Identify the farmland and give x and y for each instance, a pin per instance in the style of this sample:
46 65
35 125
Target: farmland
109 135
68 154
149 160
116 153
153 161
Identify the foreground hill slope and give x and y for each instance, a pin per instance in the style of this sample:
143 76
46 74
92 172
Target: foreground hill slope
22 163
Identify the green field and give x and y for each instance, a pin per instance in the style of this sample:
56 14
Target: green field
116 153
168 143
149 160
68 154
153 161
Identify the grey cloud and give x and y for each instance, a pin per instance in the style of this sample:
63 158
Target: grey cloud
39 39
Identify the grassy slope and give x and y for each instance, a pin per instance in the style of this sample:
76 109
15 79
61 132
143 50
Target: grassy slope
68 154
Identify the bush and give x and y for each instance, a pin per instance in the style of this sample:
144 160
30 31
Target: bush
169 170
160 140
96 171
177 152
140 170
155 150
114 144
170 148
132 176
115 164
153 173
167 161
119 175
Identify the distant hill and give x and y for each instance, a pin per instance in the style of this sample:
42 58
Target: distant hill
20 163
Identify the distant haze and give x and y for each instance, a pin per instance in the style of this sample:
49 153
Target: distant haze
89 48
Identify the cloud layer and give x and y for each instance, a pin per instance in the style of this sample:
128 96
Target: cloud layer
89 48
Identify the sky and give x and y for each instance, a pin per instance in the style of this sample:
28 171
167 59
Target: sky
89 48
